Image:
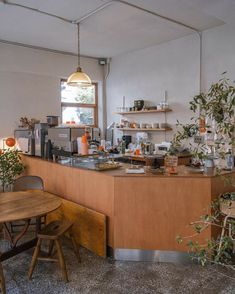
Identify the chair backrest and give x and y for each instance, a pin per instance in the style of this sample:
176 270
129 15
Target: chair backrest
28 183
227 207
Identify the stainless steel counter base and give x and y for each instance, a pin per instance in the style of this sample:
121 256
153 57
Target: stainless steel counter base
151 255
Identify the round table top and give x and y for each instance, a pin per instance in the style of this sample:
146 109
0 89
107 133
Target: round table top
26 204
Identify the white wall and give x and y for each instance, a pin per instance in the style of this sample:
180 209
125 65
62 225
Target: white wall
30 83
29 78
172 66
218 54
146 74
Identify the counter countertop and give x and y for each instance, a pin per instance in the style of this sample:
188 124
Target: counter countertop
183 171
142 214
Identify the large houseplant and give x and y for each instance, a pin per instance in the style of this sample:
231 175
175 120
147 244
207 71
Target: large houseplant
212 122
10 166
210 134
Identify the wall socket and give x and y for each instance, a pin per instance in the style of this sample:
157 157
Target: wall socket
199 139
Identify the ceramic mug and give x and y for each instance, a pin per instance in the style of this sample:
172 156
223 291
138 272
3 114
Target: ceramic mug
155 125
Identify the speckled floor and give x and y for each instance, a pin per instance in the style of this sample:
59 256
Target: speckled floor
96 275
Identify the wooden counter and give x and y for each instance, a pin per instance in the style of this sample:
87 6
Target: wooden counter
145 212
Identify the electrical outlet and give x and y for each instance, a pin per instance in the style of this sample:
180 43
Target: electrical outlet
198 139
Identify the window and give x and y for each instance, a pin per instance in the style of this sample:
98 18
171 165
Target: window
79 104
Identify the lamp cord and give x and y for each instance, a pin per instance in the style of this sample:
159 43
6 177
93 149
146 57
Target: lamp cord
78 27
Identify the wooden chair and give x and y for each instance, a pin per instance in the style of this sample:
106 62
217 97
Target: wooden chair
227 207
25 183
2 279
28 183
53 233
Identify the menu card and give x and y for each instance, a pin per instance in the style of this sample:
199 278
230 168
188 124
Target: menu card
171 162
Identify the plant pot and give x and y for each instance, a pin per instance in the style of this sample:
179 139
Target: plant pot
209 167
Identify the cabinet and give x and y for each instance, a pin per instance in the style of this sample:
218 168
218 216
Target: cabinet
144 112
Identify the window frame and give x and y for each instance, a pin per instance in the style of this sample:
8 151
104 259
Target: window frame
83 105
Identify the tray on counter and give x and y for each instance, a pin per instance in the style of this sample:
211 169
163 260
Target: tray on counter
107 166
98 166
97 162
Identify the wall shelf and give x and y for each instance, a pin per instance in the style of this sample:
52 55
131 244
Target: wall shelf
145 129
145 111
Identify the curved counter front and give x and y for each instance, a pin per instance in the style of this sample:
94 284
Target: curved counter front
145 212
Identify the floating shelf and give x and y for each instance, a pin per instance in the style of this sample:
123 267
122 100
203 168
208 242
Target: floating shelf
144 111
145 129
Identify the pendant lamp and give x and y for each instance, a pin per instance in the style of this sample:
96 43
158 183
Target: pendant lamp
79 78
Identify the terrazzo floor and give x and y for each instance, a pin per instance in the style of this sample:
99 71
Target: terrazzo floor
95 275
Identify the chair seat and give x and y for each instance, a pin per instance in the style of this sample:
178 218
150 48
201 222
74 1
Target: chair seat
55 229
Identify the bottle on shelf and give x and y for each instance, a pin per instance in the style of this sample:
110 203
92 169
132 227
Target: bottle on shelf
229 160
123 146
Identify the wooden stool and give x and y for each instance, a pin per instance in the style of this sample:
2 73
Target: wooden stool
53 232
2 280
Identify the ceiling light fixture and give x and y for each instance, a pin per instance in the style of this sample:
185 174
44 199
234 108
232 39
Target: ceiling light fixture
79 78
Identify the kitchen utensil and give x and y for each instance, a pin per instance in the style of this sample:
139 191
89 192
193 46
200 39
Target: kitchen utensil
155 125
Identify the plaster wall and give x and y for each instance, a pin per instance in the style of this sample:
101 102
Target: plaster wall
172 67
30 84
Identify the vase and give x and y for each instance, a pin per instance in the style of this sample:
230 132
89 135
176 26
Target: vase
209 166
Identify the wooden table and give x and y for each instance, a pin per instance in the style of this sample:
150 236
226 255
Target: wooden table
25 205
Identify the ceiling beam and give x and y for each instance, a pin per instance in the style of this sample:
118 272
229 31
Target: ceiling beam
37 10
83 18
89 14
156 14
45 49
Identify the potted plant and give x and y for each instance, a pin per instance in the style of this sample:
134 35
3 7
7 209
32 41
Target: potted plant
210 132
10 166
208 136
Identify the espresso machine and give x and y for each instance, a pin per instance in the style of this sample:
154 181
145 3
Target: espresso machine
63 140
40 133
25 140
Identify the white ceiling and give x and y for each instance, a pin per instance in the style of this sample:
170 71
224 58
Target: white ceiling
116 29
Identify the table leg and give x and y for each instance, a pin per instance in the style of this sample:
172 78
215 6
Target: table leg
14 239
38 224
16 249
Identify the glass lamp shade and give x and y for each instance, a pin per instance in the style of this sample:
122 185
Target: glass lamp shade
79 78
